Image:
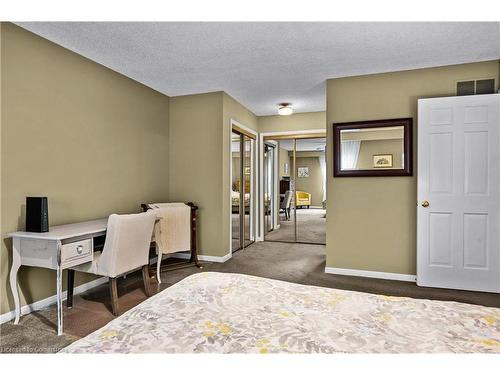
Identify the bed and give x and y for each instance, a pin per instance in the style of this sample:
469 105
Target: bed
235 201
213 312
235 198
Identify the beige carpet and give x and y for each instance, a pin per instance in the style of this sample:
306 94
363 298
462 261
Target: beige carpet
235 235
311 227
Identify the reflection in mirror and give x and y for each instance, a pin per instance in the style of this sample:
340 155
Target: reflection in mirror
247 190
242 191
372 148
235 191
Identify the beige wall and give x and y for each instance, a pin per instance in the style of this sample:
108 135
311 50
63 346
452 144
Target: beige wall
235 169
236 111
371 135
195 163
283 158
384 146
199 162
313 183
371 222
232 109
92 140
298 121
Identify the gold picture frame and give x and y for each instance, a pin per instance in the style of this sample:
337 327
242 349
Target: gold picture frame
382 161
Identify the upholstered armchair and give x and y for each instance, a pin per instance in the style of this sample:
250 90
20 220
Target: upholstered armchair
303 199
126 249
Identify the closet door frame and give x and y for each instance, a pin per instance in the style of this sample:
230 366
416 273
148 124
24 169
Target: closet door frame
233 141
242 130
266 166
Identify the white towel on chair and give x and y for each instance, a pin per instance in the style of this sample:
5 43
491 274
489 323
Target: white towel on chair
173 231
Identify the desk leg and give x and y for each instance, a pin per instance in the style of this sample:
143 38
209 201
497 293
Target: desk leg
59 302
16 263
158 264
59 292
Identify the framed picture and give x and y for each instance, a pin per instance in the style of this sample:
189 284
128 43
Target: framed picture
382 161
303 172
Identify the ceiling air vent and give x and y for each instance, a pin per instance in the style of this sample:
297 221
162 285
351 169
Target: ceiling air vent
476 87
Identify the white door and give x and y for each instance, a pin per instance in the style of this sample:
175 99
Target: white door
458 215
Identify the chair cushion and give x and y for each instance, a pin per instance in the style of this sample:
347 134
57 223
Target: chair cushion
91 267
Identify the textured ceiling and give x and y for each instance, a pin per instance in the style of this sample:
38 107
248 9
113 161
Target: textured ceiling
263 64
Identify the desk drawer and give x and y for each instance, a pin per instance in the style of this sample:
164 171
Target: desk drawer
74 253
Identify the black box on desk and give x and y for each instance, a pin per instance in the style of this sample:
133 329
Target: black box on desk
37 214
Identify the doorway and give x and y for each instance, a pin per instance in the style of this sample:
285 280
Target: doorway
294 199
242 189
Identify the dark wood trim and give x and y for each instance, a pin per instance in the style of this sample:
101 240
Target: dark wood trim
113 292
407 170
71 285
194 247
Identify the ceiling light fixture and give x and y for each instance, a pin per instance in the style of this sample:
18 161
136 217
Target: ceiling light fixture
284 109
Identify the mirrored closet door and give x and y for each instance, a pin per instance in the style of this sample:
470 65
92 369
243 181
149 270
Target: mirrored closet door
297 190
235 195
279 191
242 190
247 191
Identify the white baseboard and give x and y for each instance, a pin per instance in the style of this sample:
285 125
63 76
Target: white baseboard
46 302
371 274
205 258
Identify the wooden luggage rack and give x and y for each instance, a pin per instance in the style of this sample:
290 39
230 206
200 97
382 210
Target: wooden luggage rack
193 260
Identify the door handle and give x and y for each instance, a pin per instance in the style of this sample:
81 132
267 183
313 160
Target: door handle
425 204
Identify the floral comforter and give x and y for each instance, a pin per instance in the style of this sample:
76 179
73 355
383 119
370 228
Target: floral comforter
231 313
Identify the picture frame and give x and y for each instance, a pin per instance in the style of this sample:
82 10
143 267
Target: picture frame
303 172
382 161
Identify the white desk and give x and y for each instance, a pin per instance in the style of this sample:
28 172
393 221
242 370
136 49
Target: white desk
61 247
